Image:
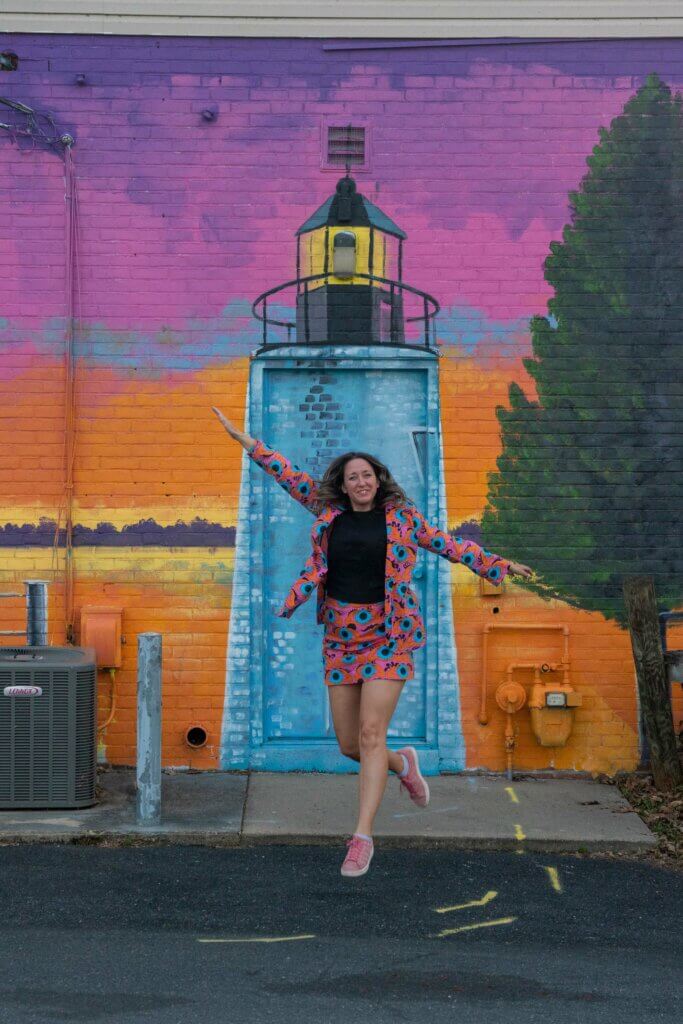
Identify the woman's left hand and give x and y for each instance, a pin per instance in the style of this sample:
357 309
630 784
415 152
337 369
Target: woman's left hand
517 569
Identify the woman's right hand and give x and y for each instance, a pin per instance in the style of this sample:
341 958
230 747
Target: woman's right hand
244 439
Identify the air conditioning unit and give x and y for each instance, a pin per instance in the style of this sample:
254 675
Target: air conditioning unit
48 727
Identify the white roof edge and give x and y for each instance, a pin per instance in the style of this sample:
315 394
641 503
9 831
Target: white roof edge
359 28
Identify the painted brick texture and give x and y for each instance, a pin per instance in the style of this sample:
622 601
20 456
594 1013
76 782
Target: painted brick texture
181 223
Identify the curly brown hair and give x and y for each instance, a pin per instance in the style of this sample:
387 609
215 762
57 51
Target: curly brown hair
330 492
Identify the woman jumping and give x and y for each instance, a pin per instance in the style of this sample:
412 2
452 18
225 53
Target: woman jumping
364 547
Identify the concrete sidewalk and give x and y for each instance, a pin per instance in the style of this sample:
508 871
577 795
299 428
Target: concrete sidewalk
231 808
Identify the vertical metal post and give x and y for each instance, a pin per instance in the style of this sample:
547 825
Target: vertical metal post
298 264
392 314
149 729
36 613
307 328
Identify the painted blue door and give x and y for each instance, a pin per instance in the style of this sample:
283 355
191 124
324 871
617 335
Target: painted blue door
312 415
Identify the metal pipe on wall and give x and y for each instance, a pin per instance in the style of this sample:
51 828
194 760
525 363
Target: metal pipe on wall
483 710
36 613
71 284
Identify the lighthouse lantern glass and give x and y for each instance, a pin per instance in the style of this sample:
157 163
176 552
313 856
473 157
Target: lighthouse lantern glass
344 254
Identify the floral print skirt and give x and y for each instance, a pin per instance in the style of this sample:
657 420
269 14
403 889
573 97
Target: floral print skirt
355 646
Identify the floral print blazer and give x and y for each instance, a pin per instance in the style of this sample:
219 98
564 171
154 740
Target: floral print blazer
407 529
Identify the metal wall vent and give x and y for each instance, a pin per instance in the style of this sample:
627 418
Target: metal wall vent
48 727
346 146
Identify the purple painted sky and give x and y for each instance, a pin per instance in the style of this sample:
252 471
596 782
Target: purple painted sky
473 152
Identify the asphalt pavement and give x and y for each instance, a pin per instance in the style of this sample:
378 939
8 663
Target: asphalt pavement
187 934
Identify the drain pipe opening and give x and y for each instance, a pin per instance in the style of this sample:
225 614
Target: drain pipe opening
196 736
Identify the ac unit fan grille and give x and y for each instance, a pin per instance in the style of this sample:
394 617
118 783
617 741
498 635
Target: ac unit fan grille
47 741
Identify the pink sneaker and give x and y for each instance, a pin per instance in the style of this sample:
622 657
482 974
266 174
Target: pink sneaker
358 857
414 784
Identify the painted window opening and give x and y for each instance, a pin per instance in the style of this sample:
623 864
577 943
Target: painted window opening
419 438
344 254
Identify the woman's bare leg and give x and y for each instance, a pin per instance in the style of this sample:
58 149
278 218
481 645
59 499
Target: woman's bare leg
345 704
378 702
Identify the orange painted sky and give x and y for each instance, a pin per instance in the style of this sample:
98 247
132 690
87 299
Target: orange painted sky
153 448
470 393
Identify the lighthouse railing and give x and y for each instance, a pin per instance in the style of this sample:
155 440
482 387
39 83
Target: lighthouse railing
430 308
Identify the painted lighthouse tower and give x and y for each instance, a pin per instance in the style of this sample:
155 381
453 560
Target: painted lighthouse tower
347 361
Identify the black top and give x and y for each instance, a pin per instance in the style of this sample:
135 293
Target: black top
356 555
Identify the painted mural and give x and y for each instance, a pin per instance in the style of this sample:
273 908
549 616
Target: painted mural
539 415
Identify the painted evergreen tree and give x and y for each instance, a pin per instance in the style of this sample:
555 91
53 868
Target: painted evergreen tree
590 481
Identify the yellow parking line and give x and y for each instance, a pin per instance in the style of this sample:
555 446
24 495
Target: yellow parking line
282 938
511 793
554 879
472 927
490 895
519 834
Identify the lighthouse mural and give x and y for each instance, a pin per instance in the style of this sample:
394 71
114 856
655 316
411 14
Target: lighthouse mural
347 361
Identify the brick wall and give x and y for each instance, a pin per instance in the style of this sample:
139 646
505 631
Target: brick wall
182 221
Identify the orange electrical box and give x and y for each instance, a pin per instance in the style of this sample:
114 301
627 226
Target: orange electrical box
101 629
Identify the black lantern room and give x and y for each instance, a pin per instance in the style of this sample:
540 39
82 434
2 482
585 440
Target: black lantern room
349 283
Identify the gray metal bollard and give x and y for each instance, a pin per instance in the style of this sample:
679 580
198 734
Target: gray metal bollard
36 613
149 729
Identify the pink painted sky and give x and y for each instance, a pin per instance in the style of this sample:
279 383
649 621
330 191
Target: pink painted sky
473 152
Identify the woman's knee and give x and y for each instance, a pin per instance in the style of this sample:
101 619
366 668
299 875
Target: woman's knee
372 734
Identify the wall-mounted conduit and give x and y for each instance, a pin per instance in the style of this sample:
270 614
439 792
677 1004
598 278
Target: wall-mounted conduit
71 283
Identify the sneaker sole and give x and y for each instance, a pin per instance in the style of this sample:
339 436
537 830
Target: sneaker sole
357 874
420 776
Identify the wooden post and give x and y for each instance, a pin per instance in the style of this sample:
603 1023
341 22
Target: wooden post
653 685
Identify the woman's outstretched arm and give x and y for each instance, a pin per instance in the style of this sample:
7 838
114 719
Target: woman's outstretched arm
246 440
296 482
484 563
